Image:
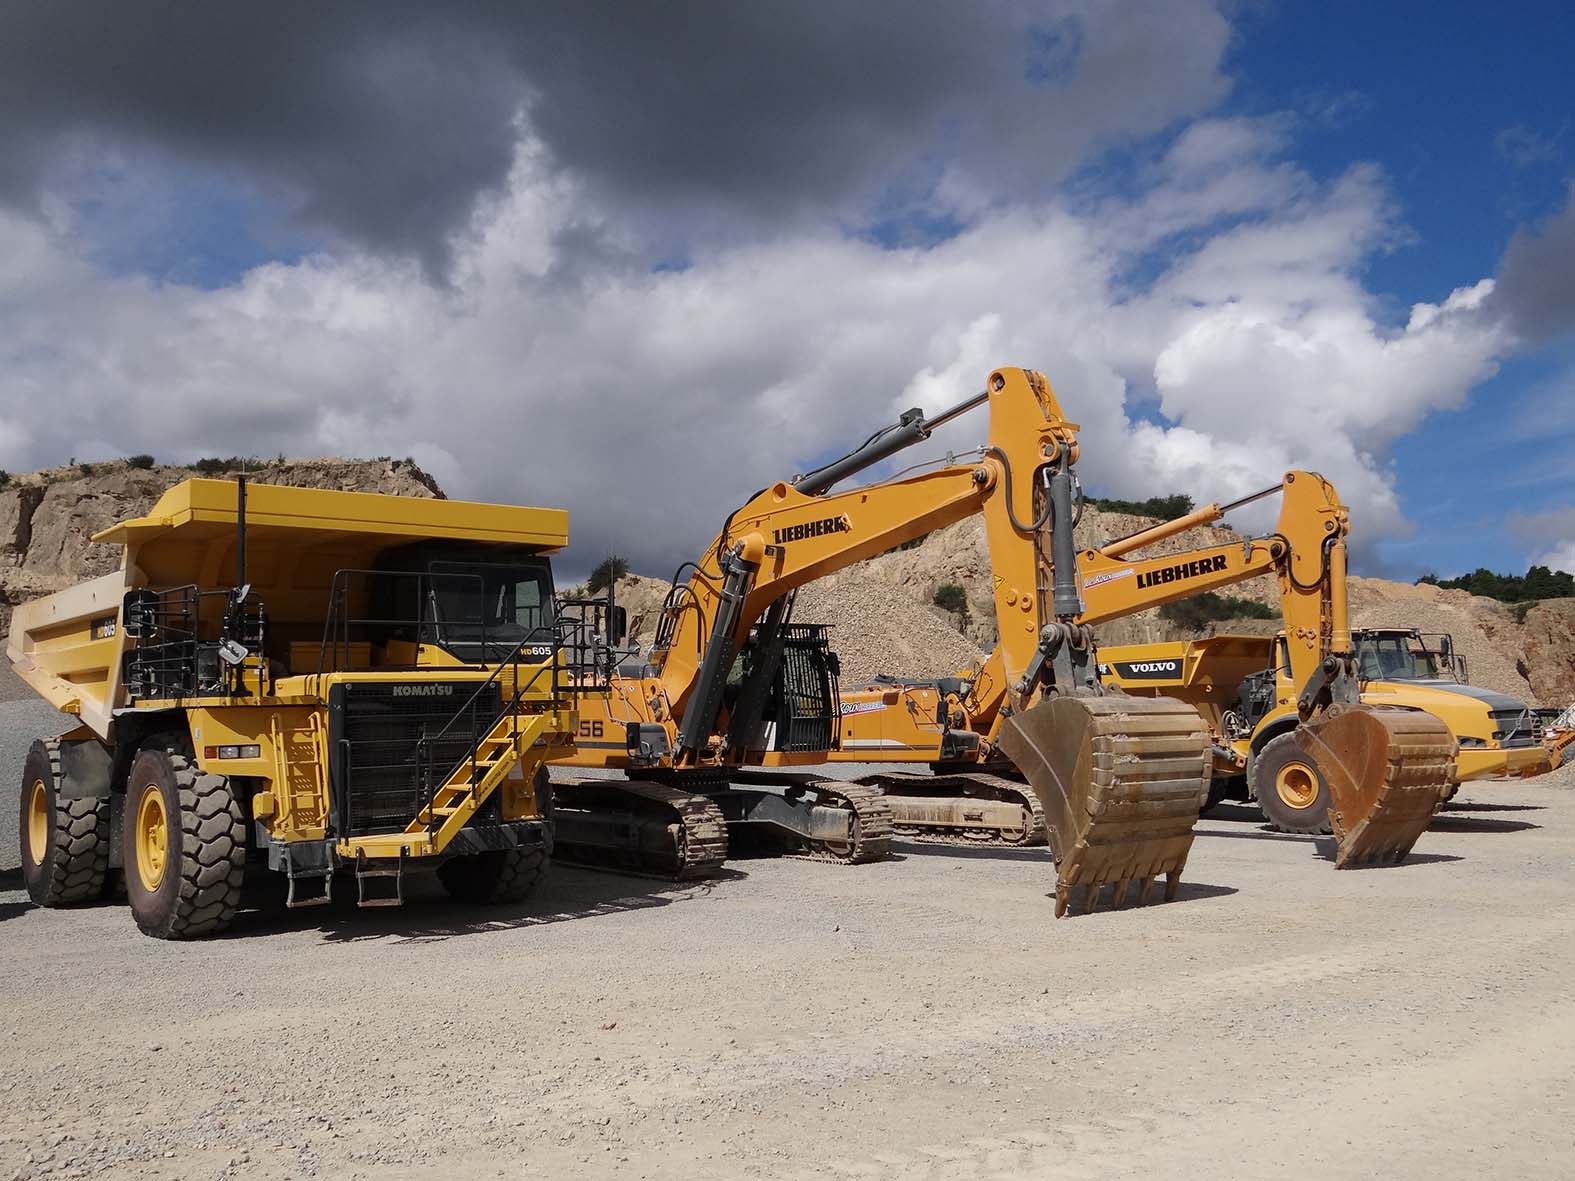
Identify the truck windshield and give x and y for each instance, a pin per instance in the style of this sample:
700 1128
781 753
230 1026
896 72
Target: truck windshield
500 605
1394 657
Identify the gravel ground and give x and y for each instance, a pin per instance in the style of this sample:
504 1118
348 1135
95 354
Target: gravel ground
924 1017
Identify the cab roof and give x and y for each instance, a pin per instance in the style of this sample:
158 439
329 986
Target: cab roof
202 510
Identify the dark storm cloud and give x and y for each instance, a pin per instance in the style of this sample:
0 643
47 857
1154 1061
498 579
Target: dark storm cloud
1536 281
380 122
384 121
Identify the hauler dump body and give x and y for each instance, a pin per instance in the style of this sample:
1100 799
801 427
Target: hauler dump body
301 680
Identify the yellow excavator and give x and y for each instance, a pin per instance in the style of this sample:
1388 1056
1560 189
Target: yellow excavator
1379 772
717 732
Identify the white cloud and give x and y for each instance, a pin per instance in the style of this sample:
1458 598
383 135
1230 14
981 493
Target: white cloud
1551 533
650 402
1560 557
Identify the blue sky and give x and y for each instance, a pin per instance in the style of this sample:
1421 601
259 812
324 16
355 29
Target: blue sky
751 235
1472 116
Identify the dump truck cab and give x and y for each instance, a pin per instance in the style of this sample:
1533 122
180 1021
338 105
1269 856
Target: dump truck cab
303 680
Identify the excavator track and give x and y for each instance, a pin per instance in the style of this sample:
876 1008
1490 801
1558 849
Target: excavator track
869 826
639 827
1122 780
962 808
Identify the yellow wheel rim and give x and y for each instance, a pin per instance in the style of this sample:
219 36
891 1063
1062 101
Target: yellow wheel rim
153 836
1297 785
37 822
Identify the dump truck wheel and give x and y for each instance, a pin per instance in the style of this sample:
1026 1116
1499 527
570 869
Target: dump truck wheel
64 843
184 845
1289 789
494 877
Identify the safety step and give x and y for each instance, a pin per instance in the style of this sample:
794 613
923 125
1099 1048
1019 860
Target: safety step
317 884
371 879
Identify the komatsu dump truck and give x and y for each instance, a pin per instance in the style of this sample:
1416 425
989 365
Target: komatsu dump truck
300 681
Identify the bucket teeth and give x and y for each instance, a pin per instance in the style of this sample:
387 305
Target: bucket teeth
1121 780
1388 770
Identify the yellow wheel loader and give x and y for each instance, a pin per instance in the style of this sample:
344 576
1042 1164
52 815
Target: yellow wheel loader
719 730
298 681
1243 687
1374 772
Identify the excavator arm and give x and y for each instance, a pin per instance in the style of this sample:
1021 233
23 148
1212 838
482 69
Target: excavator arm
792 533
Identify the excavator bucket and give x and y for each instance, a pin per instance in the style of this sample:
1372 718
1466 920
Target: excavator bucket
1387 770
1121 780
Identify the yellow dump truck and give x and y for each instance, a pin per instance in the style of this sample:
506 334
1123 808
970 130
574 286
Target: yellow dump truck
301 680
1242 687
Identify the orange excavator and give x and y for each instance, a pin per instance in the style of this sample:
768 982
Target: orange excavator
1384 770
718 730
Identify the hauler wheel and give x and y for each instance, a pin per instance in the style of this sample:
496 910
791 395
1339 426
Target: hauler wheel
494 877
1289 788
64 842
184 845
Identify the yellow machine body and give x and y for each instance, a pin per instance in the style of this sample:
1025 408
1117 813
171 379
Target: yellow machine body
348 701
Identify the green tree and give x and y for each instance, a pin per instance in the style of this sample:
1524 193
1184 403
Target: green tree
1201 610
140 462
1165 508
608 571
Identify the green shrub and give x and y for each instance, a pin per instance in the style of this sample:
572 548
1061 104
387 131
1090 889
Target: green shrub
951 597
608 571
5 477
210 466
87 469
140 462
1164 507
1200 610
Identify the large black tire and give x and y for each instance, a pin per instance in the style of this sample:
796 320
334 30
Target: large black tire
494 877
193 888
1216 795
1289 788
64 843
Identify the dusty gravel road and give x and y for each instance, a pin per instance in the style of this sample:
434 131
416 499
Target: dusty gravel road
922 1018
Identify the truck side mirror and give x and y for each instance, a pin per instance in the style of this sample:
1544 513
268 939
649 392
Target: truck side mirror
617 625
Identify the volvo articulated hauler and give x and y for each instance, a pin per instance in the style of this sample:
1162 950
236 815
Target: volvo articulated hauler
1243 687
301 680
719 730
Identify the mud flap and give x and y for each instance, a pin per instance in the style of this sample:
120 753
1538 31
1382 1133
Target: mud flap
1122 780
1388 771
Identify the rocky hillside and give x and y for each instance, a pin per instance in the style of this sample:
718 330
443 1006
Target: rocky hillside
47 518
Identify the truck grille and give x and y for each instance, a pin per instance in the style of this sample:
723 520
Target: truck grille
385 749
1517 727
